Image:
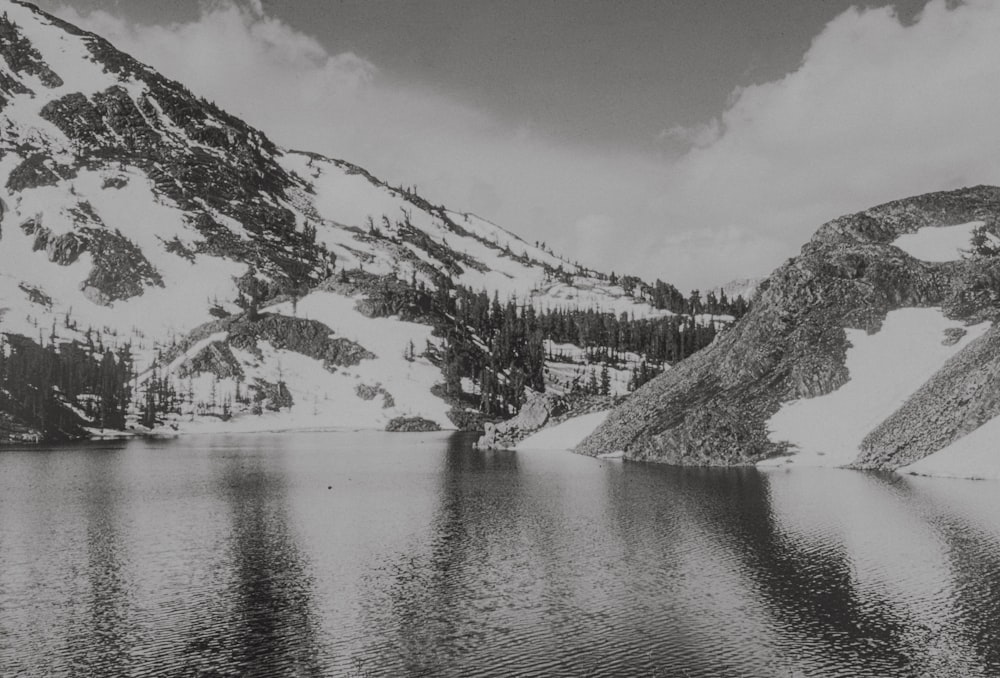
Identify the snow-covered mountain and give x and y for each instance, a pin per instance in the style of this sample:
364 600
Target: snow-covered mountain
876 347
241 276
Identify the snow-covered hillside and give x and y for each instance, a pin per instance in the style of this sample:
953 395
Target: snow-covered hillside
134 213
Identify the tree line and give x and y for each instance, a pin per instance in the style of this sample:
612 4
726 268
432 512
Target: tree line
58 388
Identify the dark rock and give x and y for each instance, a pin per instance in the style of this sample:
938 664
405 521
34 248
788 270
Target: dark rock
953 335
308 337
366 392
22 57
217 359
270 396
411 425
114 182
120 271
35 295
37 170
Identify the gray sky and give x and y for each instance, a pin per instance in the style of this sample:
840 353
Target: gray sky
594 72
693 140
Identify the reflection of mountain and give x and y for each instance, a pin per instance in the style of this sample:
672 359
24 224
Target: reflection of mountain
808 583
531 561
270 628
102 641
975 559
436 607
899 584
783 602
972 554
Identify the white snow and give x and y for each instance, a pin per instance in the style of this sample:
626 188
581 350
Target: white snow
591 293
885 369
190 288
345 200
67 55
339 207
976 455
564 436
938 243
389 339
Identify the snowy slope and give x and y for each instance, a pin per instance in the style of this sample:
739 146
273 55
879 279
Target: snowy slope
885 369
976 455
563 436
130 209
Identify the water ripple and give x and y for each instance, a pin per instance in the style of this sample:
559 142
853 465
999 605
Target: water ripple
373 555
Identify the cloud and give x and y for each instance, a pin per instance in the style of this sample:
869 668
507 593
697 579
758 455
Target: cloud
696 136
876 111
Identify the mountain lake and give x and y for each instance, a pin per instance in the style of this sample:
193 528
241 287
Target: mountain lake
377 554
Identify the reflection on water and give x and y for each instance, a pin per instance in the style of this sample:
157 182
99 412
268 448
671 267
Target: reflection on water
414 555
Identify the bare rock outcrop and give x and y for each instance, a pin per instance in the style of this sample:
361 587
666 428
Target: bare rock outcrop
712 408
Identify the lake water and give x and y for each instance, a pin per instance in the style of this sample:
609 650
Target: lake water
376 554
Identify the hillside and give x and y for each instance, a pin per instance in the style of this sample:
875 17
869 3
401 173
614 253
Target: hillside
206 278
875 347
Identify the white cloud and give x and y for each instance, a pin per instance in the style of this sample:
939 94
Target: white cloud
876 111
696 136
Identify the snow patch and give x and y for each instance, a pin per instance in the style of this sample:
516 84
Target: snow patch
391 340
564 436
938 243
885 369
975 455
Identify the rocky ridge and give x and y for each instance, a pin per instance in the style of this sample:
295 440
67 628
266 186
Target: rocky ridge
713 408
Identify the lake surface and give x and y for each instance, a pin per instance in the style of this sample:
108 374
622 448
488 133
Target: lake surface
372 554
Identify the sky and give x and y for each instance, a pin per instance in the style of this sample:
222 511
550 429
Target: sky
695 141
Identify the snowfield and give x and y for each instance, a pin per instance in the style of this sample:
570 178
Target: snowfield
564 436
976 456
938 243
885 369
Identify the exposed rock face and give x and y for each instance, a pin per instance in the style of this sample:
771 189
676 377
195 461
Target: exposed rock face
20 55
36 295
37 170
712 408
366 392
120 270
216 359
308 337
270 396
